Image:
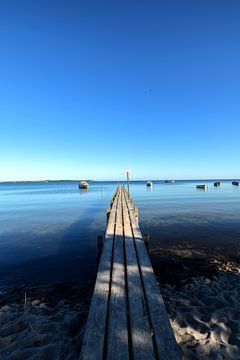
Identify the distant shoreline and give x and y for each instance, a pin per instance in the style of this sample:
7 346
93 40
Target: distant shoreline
40 181
116 181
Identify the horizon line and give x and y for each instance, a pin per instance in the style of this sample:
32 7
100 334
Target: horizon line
131 180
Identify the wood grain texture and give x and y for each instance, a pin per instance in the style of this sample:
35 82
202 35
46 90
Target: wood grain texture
117 341
164 339
140 330
127 317
94 337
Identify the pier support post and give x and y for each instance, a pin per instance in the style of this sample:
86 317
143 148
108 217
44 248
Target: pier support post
136 213
146 238
99 247
108 214
128 183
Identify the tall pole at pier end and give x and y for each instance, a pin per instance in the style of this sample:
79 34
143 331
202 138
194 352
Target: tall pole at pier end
128 182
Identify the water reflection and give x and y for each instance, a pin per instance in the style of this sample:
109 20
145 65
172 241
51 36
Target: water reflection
49 230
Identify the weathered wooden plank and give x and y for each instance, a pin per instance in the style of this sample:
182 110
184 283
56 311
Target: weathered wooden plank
117 340
94 337
106 335
165 343
140 330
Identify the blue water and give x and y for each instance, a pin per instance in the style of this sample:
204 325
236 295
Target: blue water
48 231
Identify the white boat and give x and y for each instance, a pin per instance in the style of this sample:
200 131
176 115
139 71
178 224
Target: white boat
202 186
169 181
83 185
149 183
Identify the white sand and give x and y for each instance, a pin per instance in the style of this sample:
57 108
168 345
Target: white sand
205 314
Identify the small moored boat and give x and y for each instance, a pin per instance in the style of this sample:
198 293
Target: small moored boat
202 186
235 183
169 181
149 183
83 185
217 183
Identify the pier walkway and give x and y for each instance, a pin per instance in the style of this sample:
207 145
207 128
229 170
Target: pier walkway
127 317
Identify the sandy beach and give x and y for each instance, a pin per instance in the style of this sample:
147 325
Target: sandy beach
47 322
205 315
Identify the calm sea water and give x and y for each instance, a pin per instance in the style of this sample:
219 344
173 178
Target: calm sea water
48 231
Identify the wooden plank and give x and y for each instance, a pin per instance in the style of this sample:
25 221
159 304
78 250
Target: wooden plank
140 330
117 340
165 343
94 337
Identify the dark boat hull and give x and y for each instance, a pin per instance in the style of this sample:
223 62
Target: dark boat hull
203 187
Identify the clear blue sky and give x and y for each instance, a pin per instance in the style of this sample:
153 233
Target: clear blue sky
88 88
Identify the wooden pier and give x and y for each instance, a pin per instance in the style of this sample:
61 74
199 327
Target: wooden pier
127 317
